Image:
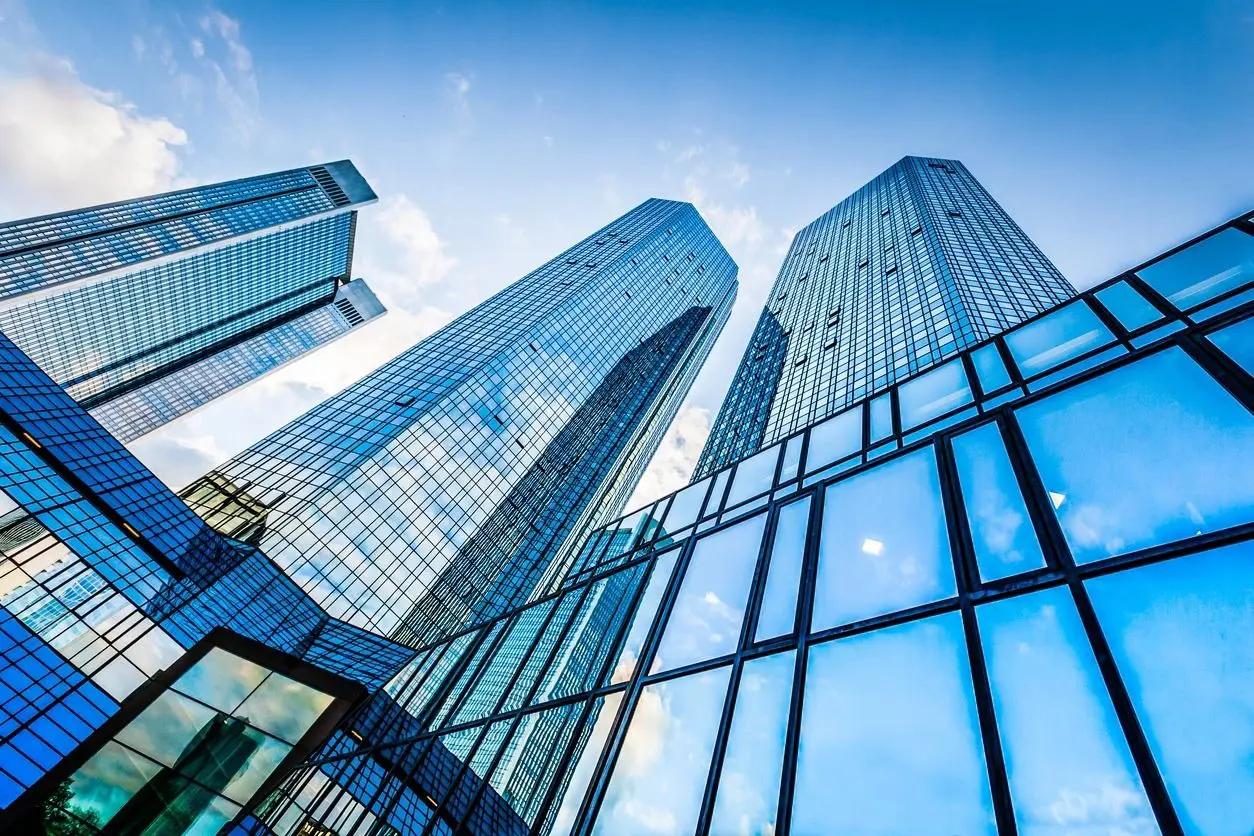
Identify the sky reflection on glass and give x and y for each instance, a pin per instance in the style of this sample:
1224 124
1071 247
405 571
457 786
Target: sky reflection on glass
753 476
1131 308
889 737
643 620
686 506
221 679
835 438
601 719
748 790
934 393
1203 271
166 726
1001 531
990 368
1237 341
284 707
883 546
1057 337
710 608
1180 634
1184 466
1069 767
659 777
778 612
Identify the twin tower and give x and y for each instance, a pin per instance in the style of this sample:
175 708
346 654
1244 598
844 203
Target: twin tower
440 489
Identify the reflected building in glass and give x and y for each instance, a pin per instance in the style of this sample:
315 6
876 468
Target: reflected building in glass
440 489
1019 608
910 269
148 308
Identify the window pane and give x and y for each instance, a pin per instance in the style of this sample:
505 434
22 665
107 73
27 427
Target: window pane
941 390
221 679
1129 307
601 720
1068 332
881 417
792 459
659 777
889 737
1068 764
778 614
1237 341
753 476
1146 454
686 505
284 707
164 728
710 608
109 779
643 620
748 789
834 439
1210 267
1180 634
1001 530
990 368
883 547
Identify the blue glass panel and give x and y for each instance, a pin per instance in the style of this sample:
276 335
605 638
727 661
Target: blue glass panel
1180 634
990 368
1129 307
1217 264
890 742
659 776
1237 341
643 620
792 459
883 547
778 613
1055 338
602 720
881 417
1069 767
753 476
935 393
1149 453
686 506
834 439
1001 529
748 789
710 608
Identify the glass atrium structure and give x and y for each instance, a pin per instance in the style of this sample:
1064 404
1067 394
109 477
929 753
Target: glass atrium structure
910 269
1009 594
127 304
438 490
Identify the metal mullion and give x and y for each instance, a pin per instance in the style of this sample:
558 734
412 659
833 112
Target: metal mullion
805 609
495 716
1151 778
761 571
432 708
599 782
471 683
968 577
1155 298
566 761
892 619
1228 373
1116 328
441 809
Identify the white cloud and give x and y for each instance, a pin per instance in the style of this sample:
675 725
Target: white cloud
415 248
734 225
236 84
458 87
65 144
738 173
672 465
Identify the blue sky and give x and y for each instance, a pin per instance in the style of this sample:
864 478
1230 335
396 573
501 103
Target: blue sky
498 133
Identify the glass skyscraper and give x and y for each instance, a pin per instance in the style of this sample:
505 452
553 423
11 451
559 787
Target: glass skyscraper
910 269
141 410
128 303
440 488
1016 600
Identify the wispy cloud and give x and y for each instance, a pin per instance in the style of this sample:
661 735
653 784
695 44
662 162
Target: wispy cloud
457 86
234 80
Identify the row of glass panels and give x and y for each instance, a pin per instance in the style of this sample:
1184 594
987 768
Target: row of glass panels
1057 345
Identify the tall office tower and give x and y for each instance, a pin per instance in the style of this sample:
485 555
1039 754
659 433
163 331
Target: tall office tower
141 410
128 304
913 267
441 487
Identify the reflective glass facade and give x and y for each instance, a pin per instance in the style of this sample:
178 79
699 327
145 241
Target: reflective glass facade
1021 610
440 489
111 300
915 266
176 393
